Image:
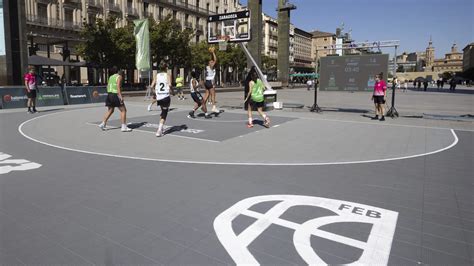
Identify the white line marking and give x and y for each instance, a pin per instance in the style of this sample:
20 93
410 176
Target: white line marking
217 121
375 251
20 130
151 132
8 165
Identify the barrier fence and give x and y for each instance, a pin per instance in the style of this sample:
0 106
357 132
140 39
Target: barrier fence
15 96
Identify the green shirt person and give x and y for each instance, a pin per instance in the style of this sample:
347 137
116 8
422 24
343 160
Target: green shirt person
115 99
179 86
255 99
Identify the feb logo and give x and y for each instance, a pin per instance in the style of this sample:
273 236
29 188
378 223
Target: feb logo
363 233
95 94
7 98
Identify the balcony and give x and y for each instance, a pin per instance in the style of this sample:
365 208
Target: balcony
94 4
132 12
184 6
200 29
114 8
73 3
188 25
53 23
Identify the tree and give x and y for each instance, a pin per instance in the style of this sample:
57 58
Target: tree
170 43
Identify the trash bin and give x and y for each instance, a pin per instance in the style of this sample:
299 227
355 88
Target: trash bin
269 97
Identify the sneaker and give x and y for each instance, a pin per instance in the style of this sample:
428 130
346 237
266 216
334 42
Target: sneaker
207 116
102 126
149 107
34 110
266 123
215 110
159 133
375 117
126 129
249 125
191 115
29 112
382 119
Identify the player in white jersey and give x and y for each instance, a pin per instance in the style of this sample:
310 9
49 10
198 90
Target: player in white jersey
196 95
209 82
162 88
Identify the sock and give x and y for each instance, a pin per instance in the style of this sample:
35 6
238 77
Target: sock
124 125
264 116
29 108
250 121
160 127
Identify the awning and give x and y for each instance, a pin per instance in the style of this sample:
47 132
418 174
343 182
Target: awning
37 60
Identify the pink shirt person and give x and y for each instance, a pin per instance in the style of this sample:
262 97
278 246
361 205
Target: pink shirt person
379 88
30 78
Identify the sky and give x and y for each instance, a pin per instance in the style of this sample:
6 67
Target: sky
410 21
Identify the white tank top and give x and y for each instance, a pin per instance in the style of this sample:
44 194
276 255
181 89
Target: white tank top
210 73
162 87
192 88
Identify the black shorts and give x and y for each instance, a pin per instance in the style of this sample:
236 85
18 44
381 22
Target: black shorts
31 94
379 99
113 100
197 97
208 84
164 103
256 104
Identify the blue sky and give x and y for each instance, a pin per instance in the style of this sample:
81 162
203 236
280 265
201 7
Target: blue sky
410 21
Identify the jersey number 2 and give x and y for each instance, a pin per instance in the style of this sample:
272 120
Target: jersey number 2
162 87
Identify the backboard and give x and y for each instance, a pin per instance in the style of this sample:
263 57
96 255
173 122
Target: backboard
232 27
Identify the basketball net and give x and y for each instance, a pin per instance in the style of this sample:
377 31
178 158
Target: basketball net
223 42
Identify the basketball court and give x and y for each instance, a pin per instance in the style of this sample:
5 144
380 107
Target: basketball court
212 191
307 190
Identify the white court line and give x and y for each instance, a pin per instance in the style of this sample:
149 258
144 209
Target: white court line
20 130
151 132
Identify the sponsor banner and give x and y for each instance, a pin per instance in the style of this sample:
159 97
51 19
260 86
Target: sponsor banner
98 94
13 97
77 95
50 96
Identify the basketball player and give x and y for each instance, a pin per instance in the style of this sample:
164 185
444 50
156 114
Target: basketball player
115 99
197 97
162 86
255 99
209 82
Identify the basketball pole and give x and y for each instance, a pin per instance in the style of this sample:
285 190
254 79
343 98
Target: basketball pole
393 111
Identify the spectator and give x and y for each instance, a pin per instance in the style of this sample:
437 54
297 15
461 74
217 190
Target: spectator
380 91
425 85
309 84
31 87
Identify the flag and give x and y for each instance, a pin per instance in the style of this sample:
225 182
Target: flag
142 38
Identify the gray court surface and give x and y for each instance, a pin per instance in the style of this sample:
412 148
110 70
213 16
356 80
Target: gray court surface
311 189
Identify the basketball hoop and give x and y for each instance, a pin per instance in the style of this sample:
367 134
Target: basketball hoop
223 42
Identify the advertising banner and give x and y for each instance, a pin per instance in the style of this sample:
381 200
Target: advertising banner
98 94
50 96
142 38
352 72
77 95
13 97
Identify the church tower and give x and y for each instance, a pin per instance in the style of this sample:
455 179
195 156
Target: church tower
430 50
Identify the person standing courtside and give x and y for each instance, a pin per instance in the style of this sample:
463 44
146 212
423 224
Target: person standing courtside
179 87
115 99
31 89
380 90
162 86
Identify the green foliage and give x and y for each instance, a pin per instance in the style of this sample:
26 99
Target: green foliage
170 43
107 45
447 75
268 63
